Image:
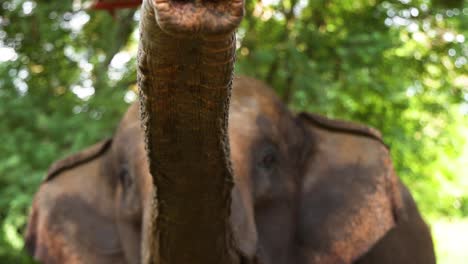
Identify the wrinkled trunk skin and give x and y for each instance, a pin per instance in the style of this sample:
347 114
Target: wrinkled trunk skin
185 68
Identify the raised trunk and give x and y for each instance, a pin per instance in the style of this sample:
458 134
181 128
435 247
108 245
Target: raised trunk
185 60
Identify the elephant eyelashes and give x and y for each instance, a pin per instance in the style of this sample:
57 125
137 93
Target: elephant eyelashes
124 177
130 201
264 173
268 159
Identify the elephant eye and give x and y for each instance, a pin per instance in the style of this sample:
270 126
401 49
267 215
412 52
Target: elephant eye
268 158
124 177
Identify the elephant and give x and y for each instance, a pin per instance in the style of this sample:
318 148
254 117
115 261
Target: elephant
307 189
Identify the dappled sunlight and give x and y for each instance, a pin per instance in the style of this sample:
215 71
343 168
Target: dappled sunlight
450 240
7 54
67 75
83 93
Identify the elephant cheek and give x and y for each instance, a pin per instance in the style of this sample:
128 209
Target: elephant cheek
243 223
150 212
129 229
130 236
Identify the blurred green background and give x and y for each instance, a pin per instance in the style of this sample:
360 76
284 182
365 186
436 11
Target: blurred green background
68 73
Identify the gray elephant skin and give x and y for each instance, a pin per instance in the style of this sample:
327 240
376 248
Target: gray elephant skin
307 190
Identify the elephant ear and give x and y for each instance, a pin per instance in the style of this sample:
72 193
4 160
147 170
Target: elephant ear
71 220
349 198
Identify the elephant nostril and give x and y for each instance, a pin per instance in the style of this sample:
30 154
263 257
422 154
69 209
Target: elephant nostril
246 260
198 17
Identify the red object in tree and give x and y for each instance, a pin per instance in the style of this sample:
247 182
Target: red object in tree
111 5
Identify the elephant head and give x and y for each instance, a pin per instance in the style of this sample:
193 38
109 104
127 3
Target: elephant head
307 190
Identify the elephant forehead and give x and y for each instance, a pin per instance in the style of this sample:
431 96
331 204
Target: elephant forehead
131 121
250 99
253 97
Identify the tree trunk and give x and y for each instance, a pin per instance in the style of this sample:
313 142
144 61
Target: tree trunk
185 68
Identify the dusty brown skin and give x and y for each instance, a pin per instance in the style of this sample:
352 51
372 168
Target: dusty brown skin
307 190
185 67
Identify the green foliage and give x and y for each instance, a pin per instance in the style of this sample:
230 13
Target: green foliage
450 243
42 118
397 66
400 66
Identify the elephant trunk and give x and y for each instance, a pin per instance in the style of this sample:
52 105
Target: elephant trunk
185 67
